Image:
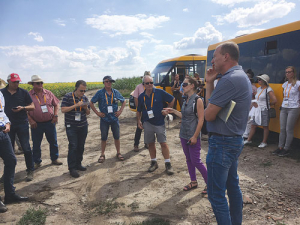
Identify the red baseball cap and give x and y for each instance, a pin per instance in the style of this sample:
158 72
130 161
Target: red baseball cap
14 77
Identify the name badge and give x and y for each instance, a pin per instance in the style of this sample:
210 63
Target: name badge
150 114
285 103
77 116
109 109
1 119
44 108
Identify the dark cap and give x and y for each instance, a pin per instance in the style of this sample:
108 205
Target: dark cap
108 78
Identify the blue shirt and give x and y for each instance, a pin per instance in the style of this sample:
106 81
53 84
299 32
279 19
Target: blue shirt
160 97
3 118
104 100
20 98
233 85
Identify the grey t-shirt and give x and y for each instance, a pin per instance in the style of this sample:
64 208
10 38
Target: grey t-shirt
234 85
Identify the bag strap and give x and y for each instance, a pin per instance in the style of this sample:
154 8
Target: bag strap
267 98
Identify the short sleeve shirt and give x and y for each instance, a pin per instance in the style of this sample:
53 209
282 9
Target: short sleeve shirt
145 104
104 100
291 94
138 90
46 98
176 86
20 98
233 85
70 116
3 118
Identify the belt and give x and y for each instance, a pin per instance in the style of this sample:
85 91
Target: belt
221 135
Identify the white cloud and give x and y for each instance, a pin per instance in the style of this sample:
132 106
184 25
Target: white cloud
60 22
231 2
185 10
150 37
122 24
202 36
36 36
248 31
261 13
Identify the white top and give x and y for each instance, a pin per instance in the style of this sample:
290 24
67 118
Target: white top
261 97
291 95
3 118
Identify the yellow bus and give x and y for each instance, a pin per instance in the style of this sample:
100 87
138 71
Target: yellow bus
182 65
270 52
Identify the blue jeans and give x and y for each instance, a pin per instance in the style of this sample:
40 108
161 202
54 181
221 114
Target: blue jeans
76 137
222 163
115 128
37 136
22 130
10 161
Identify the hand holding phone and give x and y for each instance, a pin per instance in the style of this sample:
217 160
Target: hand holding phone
189 142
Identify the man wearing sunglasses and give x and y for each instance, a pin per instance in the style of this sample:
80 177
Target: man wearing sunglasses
18 103
151 118
225 137
107 99
42 121
75 106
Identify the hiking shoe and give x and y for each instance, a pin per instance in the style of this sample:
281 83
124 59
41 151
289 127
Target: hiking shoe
169 168
283 153
153 166
263 145
136 148
56 162
37 165
29 176
276 151
74 173
2 207
247 142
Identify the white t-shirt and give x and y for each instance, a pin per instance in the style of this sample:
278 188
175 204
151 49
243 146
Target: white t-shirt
291 95
261 97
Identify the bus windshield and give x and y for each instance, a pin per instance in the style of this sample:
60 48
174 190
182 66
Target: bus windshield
161 70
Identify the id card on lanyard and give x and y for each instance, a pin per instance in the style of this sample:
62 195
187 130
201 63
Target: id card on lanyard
43 107
285 101
150 111
77 114
110 107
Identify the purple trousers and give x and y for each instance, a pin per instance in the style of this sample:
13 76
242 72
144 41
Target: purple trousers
193 160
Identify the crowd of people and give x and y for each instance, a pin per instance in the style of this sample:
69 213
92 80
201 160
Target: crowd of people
39 109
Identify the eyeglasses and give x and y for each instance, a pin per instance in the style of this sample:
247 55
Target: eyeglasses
258 79
82 90
185 84
38 83
108 81
288 72
149 83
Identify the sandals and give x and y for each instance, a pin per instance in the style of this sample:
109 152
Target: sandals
204 192
191 186
120 157
101 159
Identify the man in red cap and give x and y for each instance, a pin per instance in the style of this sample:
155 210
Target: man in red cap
18 102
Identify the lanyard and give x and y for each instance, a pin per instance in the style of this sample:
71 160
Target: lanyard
112 97
151 101
39 99
288 92
0 104
260 93
75 101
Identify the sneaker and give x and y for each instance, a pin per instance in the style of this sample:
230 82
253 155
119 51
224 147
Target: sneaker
153 166
56 162
247 142
276 151
2 207
81 168
169 168
283 153
29 176
136 148
1 179
263 145
19 152
74 173
37 165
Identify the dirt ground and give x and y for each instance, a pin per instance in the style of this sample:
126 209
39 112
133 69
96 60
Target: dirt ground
270 184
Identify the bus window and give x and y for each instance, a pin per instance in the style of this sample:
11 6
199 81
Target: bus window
161 71
271 47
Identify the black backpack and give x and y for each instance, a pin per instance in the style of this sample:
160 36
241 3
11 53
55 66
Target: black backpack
203 129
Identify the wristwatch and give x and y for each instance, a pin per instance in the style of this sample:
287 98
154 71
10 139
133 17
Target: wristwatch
55 115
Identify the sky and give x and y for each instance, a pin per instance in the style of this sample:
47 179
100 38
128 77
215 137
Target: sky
68 40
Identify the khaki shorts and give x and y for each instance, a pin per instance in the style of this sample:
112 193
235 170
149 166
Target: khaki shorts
151 130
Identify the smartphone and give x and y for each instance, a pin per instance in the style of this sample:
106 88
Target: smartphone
189 142
15 107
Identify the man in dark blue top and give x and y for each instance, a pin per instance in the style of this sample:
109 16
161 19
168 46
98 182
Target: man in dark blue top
225 137
150 117
75 107
18 102
107 99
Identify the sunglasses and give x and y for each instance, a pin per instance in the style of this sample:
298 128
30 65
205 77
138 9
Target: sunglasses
258 79
288 72
16 82
38 83
149 83
185 84
108 81
82 90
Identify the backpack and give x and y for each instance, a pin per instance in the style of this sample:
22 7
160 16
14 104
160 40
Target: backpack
203 129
